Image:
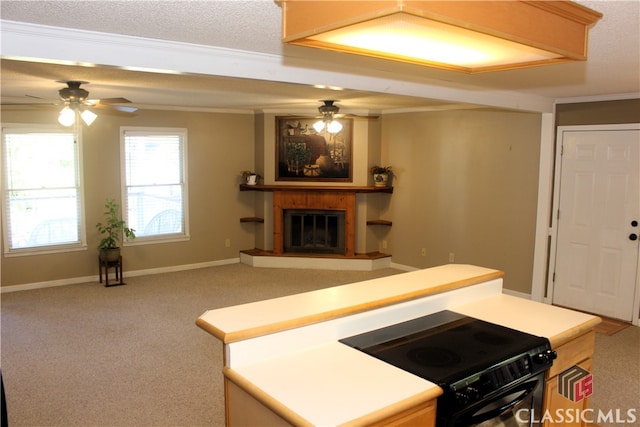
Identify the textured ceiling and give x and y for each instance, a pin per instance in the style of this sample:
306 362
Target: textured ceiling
613 66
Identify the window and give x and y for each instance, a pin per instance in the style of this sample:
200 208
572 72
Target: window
42 195
155 189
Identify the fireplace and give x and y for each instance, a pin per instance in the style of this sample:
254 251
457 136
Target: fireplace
333 208
314 231
333 212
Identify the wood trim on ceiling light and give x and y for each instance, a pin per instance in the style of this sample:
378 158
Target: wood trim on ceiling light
559 28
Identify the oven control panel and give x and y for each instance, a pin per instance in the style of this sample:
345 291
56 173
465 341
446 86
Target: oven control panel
477 386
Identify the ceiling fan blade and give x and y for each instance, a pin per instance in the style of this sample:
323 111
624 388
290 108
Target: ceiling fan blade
107 108
108 101
123 108
110 104
356 116
31 104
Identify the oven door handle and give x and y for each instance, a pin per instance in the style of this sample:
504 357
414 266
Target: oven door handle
477 419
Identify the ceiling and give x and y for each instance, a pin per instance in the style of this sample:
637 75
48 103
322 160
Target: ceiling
253 29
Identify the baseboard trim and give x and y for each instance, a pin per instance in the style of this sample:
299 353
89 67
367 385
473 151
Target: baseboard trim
350 264
273 262
403 267
88 279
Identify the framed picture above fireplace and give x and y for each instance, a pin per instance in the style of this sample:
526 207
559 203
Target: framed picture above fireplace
303 154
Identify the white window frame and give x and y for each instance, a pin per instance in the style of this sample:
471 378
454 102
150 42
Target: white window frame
81 244
141 131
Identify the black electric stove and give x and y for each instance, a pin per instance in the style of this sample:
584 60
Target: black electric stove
470 359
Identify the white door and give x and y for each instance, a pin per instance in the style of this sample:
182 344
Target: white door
599 208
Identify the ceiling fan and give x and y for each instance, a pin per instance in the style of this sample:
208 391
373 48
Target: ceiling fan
75 101
328 111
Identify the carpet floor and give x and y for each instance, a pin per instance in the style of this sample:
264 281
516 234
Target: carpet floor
132 356
611 326
86 355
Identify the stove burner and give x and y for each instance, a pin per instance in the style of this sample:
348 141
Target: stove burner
491 338
433 356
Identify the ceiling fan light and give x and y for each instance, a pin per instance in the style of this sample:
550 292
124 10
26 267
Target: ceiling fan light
334 126
67 117
88 117
318 126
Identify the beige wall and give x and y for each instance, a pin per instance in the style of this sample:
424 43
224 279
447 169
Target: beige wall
601 112
219 147
466 183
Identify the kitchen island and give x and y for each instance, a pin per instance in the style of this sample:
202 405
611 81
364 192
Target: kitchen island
283 364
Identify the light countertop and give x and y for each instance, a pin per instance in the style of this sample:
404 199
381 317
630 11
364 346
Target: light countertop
333 384
557 324
245 321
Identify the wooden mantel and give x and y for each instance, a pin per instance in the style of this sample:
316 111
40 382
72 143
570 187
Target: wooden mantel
316 188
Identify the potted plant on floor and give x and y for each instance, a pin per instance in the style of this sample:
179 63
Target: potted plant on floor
381 175
112 230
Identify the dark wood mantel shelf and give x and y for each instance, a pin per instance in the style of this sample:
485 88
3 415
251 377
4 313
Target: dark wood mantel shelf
251 219
379 222
347 189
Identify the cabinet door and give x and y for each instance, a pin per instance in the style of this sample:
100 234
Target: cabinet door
557 405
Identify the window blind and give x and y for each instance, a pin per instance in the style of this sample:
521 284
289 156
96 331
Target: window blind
155 182
42 194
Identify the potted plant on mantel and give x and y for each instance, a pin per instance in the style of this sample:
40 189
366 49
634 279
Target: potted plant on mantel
250 178
381 175
112 230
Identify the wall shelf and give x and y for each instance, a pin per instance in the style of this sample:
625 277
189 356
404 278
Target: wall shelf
379 222
251 219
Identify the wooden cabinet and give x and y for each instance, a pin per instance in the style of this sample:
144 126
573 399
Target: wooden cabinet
578 351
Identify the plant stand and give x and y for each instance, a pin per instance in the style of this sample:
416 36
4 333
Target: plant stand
106 265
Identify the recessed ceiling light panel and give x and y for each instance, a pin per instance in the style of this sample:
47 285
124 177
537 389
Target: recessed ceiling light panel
468 36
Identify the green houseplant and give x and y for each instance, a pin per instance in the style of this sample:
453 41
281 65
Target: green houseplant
112 230
381 175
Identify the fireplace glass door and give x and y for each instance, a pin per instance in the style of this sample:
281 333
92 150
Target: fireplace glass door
314 231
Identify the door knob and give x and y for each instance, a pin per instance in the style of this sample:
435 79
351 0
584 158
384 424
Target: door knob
633 236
